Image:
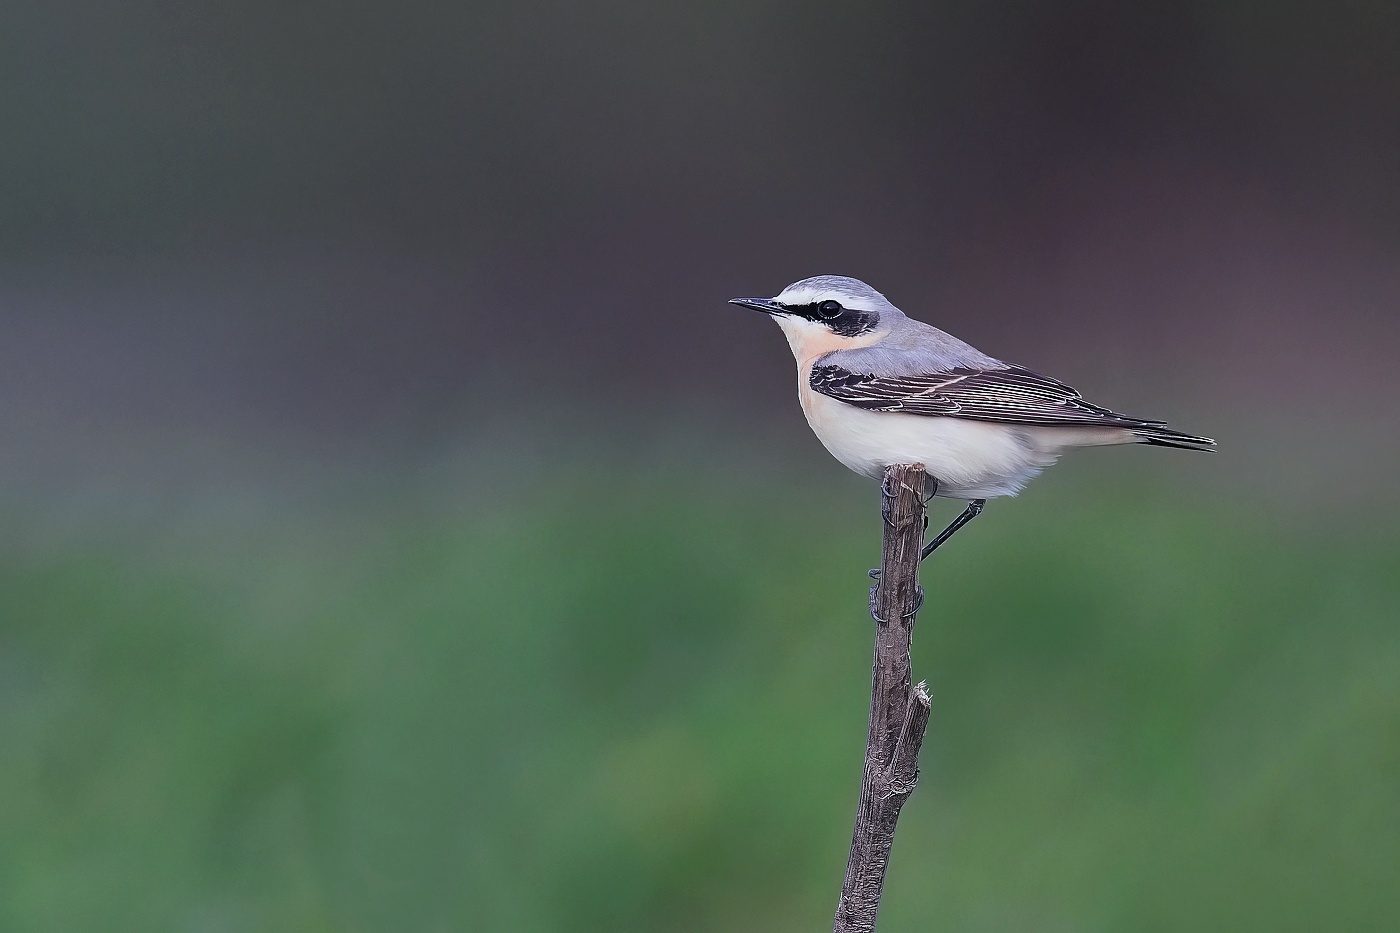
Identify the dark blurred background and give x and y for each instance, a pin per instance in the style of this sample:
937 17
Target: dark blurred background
398 531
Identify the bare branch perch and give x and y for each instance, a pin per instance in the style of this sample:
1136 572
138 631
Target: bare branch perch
899 713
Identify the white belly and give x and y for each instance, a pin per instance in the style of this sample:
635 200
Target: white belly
969 459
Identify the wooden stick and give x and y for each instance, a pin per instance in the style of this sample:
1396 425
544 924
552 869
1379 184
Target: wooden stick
898 712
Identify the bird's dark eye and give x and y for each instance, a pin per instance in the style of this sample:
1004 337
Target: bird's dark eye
829 309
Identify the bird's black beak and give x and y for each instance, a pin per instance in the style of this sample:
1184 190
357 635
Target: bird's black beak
766 305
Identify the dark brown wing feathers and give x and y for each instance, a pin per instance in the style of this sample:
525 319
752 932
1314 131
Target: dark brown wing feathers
1012 395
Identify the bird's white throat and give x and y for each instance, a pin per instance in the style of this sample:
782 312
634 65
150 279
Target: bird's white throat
810 340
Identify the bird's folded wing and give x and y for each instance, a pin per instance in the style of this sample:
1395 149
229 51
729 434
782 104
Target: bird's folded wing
1011 394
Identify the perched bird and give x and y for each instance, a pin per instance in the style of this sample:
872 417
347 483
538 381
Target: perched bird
879 388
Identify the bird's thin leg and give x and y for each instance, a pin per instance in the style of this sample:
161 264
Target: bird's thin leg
974 509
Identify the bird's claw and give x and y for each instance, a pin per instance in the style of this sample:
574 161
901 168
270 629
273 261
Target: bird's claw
918 602
886 500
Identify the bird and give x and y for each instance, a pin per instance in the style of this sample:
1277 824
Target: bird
879 388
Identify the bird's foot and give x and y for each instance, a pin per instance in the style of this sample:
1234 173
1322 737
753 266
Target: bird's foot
887 497
874 607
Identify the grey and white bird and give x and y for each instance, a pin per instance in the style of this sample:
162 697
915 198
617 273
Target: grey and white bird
879 388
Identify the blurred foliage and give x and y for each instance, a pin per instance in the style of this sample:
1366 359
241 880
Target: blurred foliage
617 703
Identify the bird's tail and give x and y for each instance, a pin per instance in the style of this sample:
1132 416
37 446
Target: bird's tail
1165 437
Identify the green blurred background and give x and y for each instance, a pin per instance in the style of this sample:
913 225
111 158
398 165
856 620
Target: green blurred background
398 532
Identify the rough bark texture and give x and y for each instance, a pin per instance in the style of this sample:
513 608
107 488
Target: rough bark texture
898 712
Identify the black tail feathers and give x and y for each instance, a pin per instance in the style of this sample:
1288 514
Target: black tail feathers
1165 437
